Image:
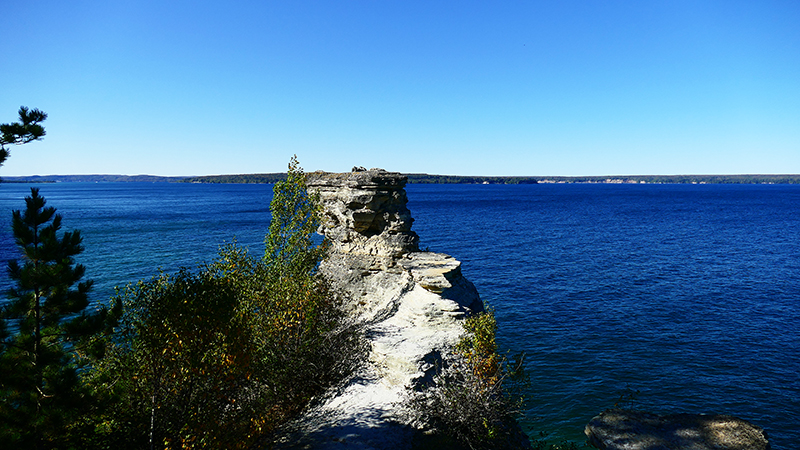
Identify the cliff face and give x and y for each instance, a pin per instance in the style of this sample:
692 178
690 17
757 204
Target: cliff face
411 302
366 213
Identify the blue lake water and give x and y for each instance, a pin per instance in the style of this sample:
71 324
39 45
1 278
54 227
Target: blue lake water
689 294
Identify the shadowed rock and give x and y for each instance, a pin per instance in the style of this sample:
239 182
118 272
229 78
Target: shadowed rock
636 430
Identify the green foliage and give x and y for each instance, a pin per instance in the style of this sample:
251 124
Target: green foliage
479 348
222 357
304 340
26 130
472 399
182 362
53 335
307 341
290 251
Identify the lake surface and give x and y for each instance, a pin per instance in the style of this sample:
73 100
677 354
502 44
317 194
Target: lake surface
689 294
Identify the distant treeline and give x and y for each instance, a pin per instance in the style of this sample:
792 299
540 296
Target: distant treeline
670 179
253 178
678 179
90 179
424 178
412 178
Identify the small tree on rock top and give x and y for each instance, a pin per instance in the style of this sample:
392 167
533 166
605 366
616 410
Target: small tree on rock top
290 250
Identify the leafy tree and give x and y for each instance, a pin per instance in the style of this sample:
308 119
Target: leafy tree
26 130
222 357
290 250
181 372
52 336
308 342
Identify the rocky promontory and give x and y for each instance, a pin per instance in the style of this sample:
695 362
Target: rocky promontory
411 304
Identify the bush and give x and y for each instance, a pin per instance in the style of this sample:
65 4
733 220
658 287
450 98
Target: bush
222 357
471 398
304 339
180 363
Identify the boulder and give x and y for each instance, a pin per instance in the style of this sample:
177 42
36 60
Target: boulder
619 429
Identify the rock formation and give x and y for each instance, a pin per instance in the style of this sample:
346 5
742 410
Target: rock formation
411 302
636 430
366 212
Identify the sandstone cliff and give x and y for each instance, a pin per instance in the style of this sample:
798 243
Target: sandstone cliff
411 302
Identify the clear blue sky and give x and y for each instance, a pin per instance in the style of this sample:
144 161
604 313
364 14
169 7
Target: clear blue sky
468 88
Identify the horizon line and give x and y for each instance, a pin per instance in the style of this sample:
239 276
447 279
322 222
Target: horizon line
421 173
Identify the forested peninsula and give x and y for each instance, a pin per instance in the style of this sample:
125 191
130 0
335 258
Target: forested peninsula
423 178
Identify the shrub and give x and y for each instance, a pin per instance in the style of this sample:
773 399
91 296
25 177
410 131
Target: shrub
222 357
181 365
471 398
304 340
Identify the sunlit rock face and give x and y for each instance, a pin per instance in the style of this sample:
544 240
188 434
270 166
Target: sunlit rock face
374 253
412 304
637 430
366 213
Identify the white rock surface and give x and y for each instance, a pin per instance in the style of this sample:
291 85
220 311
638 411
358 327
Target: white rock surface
411 302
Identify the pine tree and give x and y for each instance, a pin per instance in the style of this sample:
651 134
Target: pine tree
26 130
50 337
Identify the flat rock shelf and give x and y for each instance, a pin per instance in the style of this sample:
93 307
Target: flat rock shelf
619 429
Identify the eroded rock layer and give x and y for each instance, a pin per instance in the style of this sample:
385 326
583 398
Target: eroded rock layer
366 213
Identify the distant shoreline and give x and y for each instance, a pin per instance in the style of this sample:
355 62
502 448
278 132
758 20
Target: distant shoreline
422 178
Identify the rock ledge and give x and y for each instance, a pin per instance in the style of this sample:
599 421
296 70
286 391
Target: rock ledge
637 430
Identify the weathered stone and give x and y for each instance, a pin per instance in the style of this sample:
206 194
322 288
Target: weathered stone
365 212
618 429
412 304
432 270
